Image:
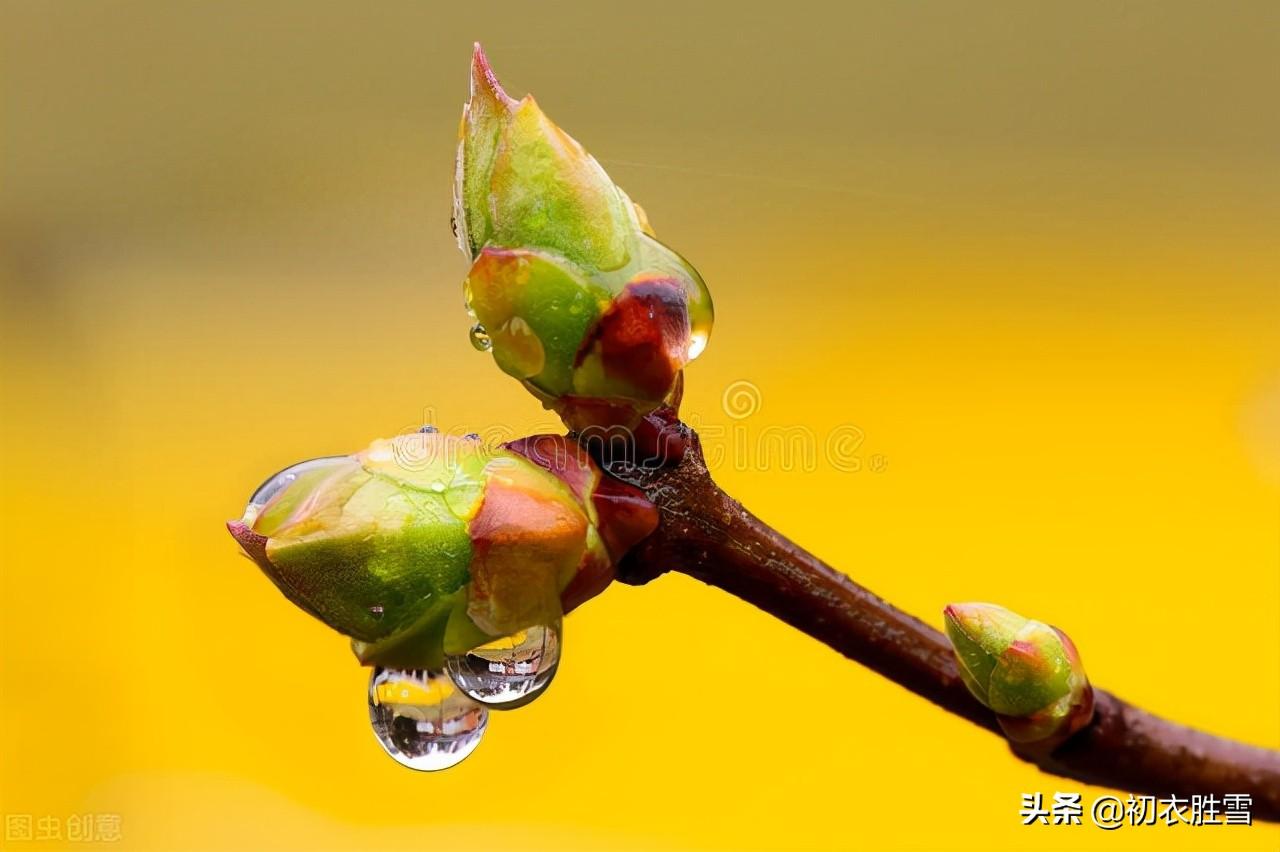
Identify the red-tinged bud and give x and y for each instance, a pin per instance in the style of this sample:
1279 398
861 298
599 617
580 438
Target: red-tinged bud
427 543
572 293
1029 673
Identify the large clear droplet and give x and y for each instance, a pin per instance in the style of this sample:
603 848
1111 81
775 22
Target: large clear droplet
480 338
697 343
422 720
311 470
509 672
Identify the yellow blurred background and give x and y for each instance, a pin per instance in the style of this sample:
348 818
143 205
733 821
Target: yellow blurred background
1024 253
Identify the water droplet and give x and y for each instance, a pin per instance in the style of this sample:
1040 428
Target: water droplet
375 611
462 500
312 468
509 672
480 338
472 436
466 294
275 484
422 720
428 430
437 487
697 343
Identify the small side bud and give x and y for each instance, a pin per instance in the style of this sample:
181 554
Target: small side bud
1027 672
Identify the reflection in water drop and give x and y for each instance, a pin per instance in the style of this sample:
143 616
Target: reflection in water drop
480 338
462 501
311 468
509 672
697 342
466 295
421 720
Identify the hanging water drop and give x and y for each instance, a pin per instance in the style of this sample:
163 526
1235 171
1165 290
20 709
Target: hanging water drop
422 720
509 672
480 338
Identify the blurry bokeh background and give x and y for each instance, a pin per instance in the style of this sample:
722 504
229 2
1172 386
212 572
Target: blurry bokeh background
1024 257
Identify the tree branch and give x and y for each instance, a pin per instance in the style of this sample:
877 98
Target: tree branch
707 534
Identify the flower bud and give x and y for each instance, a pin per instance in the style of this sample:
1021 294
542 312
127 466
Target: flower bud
1029 673
577 299
427 543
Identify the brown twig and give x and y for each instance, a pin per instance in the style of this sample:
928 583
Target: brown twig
707 534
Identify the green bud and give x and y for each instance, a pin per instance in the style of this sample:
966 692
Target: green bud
1027 672
522 181
427 543
577 298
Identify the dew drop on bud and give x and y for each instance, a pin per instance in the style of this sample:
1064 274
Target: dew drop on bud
466 299
509 672
310 470
480 338
422 720
697 343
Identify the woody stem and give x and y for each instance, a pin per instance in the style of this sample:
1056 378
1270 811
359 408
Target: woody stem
706 534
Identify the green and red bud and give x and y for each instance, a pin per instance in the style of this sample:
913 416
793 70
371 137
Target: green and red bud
429 544
1027 672
577 299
